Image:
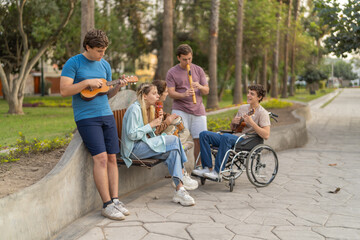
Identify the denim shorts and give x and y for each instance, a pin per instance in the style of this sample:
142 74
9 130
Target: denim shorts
99 134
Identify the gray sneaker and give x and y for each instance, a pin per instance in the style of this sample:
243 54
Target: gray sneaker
182 196
121 207
112 212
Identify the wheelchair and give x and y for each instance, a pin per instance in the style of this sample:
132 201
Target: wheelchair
259 161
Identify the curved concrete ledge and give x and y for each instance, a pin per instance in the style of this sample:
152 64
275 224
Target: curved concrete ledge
68 191
291 136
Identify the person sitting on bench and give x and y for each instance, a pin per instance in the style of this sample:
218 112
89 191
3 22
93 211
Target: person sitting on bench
167 125
138 140
252 117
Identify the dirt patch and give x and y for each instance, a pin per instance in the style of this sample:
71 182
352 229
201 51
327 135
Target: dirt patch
15 176
27 171
285 116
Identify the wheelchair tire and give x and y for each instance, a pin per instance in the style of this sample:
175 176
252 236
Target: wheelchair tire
231 183
262 165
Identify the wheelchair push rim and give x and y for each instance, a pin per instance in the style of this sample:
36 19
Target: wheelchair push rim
262 165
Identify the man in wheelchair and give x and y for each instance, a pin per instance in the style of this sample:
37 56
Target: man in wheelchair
250 118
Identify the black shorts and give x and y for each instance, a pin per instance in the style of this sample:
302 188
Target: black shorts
99 134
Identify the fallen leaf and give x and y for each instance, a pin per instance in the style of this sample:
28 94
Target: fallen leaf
336 190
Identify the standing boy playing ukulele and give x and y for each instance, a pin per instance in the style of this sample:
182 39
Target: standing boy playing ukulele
94 119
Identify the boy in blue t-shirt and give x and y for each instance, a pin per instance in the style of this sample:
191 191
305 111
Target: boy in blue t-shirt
94 119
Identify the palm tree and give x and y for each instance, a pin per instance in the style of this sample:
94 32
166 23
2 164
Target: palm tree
87 18
286 52
167 46
292 64
238 62
212 101
275 67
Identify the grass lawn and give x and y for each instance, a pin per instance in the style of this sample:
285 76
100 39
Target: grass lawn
37 122
303 95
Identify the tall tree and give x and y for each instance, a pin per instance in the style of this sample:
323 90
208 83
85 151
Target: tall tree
167 37
344 31
167 46
212 100
293 49
275 67
87 19
286 52
26 33
238 59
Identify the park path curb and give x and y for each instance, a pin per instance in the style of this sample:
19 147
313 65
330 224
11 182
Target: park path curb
68 192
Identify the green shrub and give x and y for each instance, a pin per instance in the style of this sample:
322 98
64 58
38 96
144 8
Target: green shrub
275 103
25 147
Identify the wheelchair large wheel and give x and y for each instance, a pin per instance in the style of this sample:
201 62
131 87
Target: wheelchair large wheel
233 169
262 165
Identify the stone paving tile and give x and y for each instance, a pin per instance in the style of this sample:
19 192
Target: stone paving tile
210 231
172 229
153 236
186 218
338 233
343 221
310 213
94 234
124 233
254 230
297 233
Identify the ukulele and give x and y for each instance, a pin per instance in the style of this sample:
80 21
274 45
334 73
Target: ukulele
239 127
89 93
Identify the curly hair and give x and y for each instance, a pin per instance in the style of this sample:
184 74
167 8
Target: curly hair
183 49
260 91
95 38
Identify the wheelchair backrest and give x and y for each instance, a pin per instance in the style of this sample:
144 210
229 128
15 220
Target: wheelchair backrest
249 143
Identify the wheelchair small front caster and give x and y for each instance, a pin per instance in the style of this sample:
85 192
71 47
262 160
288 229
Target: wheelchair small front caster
202 180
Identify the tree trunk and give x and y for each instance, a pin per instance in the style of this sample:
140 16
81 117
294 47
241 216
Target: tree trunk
212 100
275 68
14 87
167 36
167 48
293 51
238 97
246 74
87 19
263 76
286 52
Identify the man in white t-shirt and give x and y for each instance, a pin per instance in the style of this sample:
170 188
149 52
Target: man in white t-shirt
257 121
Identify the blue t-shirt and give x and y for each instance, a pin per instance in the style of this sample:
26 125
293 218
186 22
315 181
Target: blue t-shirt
80 68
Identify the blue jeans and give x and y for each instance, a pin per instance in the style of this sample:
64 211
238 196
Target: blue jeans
223 141
174 156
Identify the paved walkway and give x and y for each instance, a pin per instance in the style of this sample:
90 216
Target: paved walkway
297 205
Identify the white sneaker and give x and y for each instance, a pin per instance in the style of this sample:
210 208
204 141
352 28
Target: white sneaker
121 207
112 212
189 184
200 172
182 196
212 175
